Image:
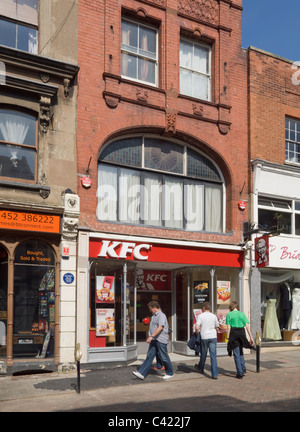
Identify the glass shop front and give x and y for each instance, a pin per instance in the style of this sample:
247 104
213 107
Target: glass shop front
126 274
27 300
278 260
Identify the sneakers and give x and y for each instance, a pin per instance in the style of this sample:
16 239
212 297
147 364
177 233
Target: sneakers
159 369
138 375
239 376
166 377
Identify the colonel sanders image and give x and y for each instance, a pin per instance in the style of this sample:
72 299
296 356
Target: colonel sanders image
140 283
261 257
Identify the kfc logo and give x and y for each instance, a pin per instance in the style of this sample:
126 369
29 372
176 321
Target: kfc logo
117 249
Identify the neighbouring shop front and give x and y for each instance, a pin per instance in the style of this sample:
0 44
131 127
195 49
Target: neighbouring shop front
278 261
125 273
29 287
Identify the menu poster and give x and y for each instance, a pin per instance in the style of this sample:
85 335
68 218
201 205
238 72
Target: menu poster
105 322
105 289
196 313
223 292
221 315
201 292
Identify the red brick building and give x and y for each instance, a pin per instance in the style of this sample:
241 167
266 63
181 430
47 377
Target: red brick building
162 138
274 179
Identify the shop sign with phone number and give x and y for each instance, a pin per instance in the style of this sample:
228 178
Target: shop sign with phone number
24 221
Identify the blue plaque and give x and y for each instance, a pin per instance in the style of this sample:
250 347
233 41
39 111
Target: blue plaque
68 278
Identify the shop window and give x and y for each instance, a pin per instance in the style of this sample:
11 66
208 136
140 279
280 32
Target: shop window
3 300
139 53
195 69
19 24
34 299
292 140
18 147
217 286
135 185
106 326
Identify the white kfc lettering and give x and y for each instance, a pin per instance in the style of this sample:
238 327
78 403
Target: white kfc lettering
156 277
137 252
109 249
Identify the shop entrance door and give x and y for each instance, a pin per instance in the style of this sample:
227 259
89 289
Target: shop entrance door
152 285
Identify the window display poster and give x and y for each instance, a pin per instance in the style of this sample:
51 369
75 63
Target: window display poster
105 322
196 313
105 289
221 315
201 291
223 292
153 280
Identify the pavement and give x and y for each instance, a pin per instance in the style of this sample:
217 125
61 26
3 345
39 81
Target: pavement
275 388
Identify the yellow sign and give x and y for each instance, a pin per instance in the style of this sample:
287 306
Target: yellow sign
24 221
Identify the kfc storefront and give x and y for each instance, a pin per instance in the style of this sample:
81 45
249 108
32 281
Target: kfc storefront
119 275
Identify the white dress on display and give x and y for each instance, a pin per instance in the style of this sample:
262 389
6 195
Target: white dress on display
294 321
271 329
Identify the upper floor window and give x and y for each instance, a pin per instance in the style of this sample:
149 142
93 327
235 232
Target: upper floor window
279 215
152 181
292 140
195 69
139 54
18 147
19 24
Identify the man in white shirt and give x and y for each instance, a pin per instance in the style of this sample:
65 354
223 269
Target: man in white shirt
207 324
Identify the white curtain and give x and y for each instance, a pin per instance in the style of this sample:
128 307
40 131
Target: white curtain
173 204
13 128
125 40
129 196
144 62
107 193
213 208
194 206
152 200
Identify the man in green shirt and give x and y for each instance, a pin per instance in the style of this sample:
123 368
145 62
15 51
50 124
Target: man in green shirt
236 322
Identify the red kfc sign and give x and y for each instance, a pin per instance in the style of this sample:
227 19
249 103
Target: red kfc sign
153 280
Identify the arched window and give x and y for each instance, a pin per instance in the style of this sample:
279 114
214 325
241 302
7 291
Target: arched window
155 182
18 147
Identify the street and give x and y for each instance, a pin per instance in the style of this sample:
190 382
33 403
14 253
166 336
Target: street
276 388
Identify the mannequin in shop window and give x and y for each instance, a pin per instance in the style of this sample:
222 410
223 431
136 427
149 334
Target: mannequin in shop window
286 303
271 325
294 322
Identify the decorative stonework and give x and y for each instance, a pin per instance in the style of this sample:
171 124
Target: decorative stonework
71 216
112 101
204 10
198 110
45 117
171 123
142 95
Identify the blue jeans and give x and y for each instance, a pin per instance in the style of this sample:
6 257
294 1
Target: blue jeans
211 345
154 347
239 361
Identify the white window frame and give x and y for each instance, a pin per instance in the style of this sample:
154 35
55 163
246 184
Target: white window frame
289 143
195 71
126 50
